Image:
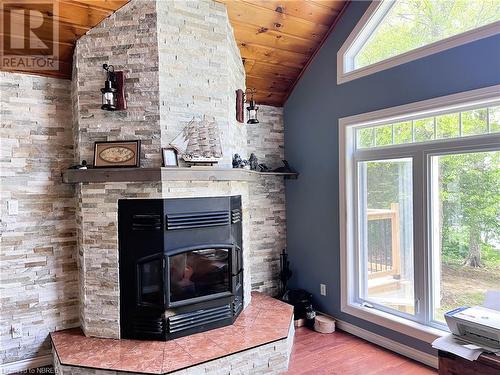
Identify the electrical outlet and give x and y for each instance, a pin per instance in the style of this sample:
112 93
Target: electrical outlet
16 330
322 289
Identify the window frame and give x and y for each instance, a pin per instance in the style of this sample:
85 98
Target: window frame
421 153
368 23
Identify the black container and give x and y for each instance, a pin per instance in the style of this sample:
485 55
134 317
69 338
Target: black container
301 301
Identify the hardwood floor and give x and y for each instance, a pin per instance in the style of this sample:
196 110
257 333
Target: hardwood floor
340 353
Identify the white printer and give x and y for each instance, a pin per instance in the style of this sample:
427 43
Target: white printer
478 325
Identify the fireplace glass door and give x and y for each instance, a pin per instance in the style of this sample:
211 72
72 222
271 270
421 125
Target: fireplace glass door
150 277
199 273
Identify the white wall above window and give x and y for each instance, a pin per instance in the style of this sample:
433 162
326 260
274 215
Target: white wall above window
392 33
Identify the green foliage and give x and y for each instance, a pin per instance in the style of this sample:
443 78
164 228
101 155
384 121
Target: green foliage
448 126
491 257
410 24
494 119
403 132
475 122
384 179
424 129
383 135
470 196
469 183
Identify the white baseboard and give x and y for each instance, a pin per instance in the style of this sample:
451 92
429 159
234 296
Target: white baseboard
417 355
26 364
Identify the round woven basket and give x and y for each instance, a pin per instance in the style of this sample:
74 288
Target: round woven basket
324 324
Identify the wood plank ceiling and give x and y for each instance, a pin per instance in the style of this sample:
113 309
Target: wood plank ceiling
276 38
75 18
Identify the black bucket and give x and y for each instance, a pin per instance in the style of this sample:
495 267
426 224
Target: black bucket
301 301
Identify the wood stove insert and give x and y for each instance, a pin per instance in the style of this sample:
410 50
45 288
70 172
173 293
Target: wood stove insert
181 265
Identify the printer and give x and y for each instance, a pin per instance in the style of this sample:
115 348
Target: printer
478 325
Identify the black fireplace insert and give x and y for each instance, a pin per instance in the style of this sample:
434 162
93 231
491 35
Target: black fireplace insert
181 265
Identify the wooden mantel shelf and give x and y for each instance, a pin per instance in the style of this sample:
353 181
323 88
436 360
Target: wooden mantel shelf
72 176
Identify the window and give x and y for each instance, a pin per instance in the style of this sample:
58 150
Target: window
475 121
395 32
465 196
420 194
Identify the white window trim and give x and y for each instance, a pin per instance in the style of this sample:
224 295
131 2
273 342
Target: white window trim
346 199
369 21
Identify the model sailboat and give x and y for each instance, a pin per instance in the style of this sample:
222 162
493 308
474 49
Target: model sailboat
199 143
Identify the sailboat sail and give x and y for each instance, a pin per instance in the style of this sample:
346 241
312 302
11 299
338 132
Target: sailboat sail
199 142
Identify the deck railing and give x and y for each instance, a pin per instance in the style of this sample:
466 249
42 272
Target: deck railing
384 257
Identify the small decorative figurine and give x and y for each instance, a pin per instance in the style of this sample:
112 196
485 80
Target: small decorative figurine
285 169
80 166
263 168
253 161
237 161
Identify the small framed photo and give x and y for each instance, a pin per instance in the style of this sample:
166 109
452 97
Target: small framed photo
169 156
114 154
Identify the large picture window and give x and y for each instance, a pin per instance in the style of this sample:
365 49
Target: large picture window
420 194
394 32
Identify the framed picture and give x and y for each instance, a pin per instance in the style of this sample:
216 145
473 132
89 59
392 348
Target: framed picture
169 156
115 154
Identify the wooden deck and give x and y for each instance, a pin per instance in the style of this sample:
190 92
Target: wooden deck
343 354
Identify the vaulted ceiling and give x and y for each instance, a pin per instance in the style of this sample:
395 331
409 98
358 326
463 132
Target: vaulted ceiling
277 38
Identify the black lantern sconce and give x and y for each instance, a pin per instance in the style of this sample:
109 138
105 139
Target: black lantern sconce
113 92
252 109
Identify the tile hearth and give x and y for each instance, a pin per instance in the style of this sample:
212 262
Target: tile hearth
265 321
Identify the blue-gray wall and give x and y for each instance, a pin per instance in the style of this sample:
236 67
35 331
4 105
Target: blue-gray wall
311 146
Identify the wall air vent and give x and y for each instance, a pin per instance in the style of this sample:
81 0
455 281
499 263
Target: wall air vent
198 318
235 215
146 222
197 220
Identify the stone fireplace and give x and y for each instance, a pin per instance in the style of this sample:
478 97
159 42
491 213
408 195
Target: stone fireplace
98 241
180 62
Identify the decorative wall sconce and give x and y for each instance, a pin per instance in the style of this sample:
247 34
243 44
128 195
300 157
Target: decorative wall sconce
113 92
252 109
